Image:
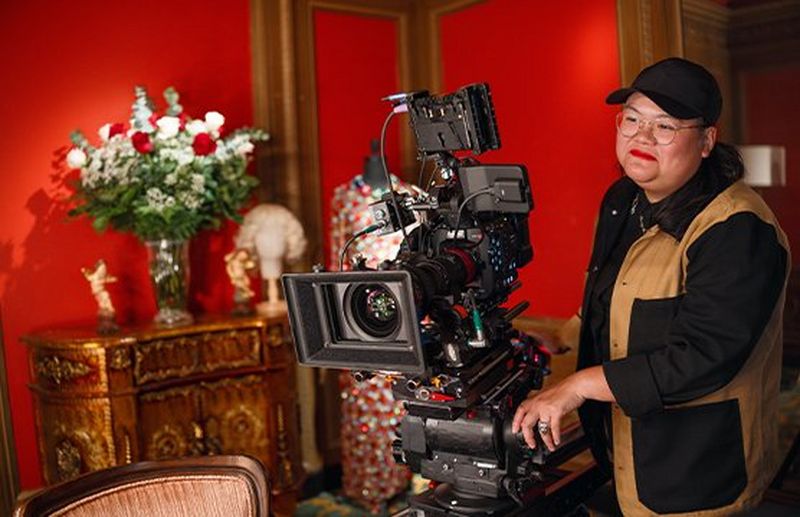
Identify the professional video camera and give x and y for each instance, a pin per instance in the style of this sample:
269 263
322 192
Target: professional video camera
433 319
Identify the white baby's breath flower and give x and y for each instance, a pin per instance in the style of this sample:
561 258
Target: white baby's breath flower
171 178
198 183
96 163
189 200
245 149
76 158
168 126
222 152
184 156
86 179
155 199
214 120
104 130
196 127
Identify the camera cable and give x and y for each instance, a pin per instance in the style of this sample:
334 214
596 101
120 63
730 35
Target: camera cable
369 229
400 108
487 190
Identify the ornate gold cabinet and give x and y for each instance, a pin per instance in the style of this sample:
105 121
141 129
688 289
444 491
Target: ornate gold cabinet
220 386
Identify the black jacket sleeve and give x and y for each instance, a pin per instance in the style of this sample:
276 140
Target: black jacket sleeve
735 274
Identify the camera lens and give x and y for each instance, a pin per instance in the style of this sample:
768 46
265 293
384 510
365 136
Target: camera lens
374 309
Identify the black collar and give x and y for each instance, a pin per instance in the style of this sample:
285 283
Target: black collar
675 213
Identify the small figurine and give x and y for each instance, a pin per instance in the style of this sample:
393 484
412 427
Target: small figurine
276 236
238 264
98 278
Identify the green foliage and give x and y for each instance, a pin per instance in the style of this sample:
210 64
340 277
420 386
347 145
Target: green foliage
141 110
79 140
171 96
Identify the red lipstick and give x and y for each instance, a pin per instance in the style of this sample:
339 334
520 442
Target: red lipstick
643 155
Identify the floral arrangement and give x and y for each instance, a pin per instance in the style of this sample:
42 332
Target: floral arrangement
163 176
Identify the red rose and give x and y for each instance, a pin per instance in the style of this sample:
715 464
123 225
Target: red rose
116 129
141 142
203 144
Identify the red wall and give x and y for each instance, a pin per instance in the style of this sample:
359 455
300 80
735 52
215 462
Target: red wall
772 109
356 65
68 65
550 66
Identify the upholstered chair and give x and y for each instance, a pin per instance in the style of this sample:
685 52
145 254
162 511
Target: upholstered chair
213 486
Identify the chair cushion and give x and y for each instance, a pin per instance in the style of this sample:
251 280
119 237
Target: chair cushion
170 496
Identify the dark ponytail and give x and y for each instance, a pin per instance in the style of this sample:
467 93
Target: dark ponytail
726 162
717 172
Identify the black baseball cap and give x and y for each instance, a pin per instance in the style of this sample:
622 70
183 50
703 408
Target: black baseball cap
680 87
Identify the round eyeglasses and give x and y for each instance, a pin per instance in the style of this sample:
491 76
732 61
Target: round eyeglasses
629 123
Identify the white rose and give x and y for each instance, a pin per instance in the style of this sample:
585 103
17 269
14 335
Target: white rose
76 158
196 127
104 130
168 126
245 149
214 120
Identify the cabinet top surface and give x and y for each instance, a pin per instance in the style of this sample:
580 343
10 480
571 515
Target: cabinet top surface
83 335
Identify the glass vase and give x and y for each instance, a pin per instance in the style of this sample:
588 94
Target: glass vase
169 273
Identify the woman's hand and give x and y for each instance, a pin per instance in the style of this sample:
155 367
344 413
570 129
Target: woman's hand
551 404
546 406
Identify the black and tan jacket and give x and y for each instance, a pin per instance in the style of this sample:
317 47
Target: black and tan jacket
694 356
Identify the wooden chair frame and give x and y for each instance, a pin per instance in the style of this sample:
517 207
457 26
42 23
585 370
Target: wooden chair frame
74 490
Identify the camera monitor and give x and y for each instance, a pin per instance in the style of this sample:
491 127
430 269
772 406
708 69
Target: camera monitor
364 320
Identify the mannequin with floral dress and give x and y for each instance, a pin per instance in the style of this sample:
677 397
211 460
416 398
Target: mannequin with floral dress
369 411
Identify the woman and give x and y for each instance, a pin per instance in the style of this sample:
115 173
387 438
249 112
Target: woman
680 342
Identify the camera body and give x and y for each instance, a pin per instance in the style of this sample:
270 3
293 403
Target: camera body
433 318
437 305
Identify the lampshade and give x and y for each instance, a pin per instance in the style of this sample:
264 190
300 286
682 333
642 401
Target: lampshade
764 165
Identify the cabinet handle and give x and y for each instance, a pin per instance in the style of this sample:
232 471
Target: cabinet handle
200 443
197 446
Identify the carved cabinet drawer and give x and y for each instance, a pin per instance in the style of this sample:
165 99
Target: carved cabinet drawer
218 386
178 356
69 370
